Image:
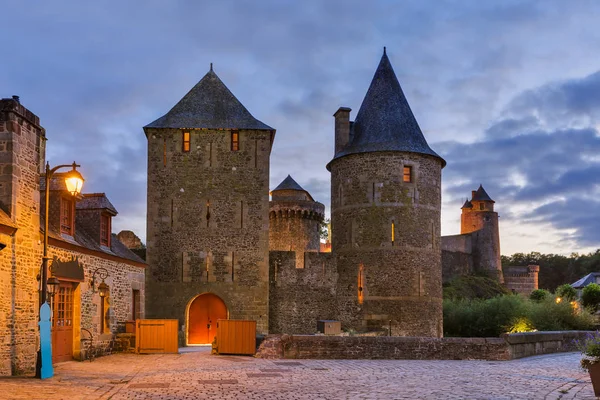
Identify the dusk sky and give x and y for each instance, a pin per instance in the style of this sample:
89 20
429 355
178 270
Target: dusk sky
508 92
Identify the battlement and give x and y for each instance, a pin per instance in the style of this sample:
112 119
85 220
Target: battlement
296 209
14 106
521 279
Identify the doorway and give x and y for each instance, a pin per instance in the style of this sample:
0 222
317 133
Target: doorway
203 313
62 323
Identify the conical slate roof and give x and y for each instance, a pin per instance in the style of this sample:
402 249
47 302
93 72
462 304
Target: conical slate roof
385 121
210 104
290 184
467 204
481 195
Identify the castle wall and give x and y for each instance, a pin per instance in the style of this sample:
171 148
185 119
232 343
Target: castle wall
387 277
457 259
207 223
299 297
21 149
521 279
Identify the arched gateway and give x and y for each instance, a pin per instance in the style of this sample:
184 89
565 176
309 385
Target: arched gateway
203 313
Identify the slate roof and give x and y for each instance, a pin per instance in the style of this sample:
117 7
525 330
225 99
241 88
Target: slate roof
481 195
210 104
290 184
385 121
95 201
467 204
586 280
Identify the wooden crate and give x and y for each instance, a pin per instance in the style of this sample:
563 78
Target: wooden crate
236 336
156 336
329 327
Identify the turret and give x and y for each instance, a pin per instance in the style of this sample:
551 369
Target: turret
294 220
386 203
480 220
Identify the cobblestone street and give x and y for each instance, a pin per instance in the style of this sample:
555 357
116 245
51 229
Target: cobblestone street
198 375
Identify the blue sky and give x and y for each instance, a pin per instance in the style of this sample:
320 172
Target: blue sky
508 92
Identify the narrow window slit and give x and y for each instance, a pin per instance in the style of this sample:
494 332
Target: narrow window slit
393 232
232 266
207 213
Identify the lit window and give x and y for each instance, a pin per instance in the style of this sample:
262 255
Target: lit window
407 174
393 232
235 141
105 230
186 141
66 216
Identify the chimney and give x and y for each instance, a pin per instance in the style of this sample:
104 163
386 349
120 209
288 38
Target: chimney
473 194
342 128
17 99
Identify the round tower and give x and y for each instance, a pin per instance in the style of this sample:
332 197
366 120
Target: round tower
480 220
294 220
385 215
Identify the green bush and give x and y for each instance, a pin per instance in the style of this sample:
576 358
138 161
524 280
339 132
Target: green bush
492 317
590 297
473 287
566 292
539 295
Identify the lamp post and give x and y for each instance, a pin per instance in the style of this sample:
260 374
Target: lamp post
74 183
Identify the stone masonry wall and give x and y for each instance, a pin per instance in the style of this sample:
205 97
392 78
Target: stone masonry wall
457 259
122 279
401 279
21 148
483 227
299 297
522 280
208 223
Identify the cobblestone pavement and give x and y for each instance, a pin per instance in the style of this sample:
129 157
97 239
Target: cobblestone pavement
198 375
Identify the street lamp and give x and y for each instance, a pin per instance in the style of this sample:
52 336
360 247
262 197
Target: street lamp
74 183
102 287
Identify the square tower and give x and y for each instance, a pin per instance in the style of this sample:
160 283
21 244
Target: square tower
208 212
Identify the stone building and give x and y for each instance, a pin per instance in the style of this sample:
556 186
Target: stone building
208 212
80 241
477 249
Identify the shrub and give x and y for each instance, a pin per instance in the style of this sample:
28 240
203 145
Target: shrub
473 287
566 292
590 297
511 313
590 348
539 295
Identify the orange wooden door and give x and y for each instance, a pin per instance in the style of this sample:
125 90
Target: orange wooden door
203 314
62 323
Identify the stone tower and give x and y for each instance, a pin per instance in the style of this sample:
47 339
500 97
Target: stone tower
386 205
208 212
479 218
295 219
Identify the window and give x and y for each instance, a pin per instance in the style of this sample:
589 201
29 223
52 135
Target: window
105 230
66 216
235 141
136 307
186 142
481 206
407 174
393 232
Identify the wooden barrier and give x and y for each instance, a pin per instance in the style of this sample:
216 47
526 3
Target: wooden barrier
156 336
236 336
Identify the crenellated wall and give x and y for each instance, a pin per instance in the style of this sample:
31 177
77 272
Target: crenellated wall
299 297
521 279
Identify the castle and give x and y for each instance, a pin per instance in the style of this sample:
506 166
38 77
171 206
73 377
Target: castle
218 248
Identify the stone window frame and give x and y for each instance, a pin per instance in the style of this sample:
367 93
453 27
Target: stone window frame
105 229
411 173
67 216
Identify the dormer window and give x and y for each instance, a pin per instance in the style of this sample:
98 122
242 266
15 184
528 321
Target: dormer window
105 229
66 216
235 141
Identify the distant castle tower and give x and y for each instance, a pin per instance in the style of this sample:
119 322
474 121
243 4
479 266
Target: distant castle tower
479 218
208 212
386 206
294 220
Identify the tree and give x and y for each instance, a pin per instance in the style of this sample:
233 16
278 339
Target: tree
566 292
324 229
539 295
590 298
